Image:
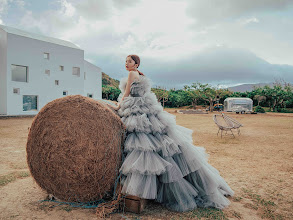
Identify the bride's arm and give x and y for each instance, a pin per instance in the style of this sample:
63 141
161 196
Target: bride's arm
131 77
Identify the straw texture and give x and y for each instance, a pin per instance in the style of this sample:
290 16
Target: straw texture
74 148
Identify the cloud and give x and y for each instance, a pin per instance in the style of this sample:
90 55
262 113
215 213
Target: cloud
17 6
3 6
19 3
50 23
100 9
210 12
248 20
93 9
97 9
217 65
3 9
237 40
122 4
161 35
129 29
67 8
265 44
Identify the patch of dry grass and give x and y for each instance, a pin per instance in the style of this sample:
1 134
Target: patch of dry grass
8 178
257 165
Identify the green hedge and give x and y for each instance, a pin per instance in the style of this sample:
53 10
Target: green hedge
259 109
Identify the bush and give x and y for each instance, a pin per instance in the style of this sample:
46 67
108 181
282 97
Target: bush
259 109
285 110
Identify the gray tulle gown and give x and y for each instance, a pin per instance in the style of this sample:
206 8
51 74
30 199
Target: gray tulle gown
161 161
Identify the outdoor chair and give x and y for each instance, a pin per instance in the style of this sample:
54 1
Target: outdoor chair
226 123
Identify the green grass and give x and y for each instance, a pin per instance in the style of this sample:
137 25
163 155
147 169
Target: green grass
13 216
237 199
257 198
4 180
267 208
67 208
208 213
237 214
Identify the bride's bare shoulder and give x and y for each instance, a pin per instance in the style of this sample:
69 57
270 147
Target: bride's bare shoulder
133 74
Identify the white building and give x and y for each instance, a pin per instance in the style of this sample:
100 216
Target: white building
35 70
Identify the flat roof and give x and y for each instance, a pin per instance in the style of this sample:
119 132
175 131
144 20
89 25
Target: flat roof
19 32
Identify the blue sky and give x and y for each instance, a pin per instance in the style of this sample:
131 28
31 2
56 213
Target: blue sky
226 42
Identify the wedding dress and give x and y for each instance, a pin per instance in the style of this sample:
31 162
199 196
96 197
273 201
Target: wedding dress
161 161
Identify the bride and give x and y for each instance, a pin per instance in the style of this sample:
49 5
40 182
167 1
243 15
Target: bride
162 163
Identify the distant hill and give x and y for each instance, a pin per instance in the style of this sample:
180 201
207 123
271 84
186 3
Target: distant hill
247 87
108 81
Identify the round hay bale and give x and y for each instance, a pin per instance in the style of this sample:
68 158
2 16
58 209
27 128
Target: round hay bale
74 148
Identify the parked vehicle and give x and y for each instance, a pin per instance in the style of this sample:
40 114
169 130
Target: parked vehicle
238 105
217 107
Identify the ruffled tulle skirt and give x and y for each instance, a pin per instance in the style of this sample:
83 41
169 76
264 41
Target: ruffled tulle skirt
161 161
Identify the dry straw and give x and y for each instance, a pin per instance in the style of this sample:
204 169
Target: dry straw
74 148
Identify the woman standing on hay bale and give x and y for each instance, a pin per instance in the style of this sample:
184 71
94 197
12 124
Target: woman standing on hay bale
162 163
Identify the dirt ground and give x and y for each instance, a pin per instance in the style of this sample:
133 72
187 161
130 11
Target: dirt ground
258 166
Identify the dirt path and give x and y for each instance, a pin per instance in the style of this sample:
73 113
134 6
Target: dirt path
257 165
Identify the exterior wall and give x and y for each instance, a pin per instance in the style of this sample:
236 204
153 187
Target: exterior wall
3 71
93 80
30 52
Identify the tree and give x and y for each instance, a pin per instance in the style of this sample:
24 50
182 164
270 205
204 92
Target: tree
288 95
277 94
193 92
259 98
114 93
106 90
178 98
212 94
162 94
110 92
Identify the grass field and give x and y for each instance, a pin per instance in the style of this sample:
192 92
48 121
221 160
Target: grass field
257 165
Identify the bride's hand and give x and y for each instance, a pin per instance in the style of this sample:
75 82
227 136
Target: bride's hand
113 107
117 107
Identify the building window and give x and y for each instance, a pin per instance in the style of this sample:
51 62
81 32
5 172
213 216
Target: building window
76 71
47 72
65 92
90 95
46 56
57 82
61 68
19 73
30 103
16 90
84 75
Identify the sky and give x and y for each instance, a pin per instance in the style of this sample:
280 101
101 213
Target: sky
221 42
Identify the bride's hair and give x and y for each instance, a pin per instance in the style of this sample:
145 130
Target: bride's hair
137 61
